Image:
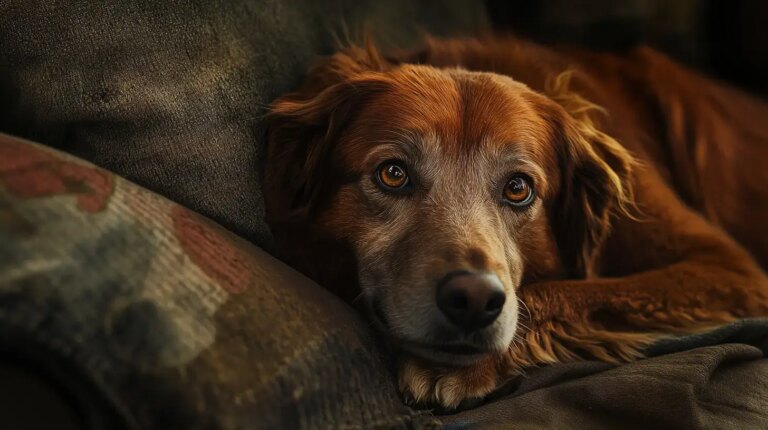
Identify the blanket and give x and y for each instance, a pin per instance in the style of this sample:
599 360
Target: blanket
713 380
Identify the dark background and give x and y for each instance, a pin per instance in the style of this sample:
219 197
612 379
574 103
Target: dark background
725 39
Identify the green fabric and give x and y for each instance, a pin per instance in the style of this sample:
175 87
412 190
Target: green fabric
716 387
713 380
753 331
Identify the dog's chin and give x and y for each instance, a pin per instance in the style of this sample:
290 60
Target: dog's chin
450 354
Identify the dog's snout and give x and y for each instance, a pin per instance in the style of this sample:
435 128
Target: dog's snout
471 300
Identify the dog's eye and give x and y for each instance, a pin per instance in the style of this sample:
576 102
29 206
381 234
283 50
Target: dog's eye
392 175
518 191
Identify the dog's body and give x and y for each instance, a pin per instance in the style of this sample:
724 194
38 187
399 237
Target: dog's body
447 193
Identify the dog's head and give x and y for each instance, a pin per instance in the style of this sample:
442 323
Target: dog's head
447 188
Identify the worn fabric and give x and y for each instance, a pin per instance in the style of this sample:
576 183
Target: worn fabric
714 380
176 322
172 94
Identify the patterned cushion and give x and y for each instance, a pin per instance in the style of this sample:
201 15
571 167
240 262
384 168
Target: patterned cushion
178 323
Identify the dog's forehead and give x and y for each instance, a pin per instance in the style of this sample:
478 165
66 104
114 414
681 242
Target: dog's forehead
460 111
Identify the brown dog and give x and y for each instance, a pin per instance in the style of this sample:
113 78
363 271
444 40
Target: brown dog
490 216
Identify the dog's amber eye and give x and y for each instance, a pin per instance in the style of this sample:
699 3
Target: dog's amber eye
393 175
518 191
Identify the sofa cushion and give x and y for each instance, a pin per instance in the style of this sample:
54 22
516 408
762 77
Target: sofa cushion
171 95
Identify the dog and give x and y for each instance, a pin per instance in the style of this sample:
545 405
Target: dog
494 204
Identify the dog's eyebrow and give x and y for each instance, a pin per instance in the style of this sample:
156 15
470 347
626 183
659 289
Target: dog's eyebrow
400 136
393 148
404 141
517 157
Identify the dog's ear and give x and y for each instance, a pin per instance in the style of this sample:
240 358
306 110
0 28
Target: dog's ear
304 126
596 182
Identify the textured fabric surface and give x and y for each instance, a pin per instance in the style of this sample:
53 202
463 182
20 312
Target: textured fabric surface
714 380
178 323
171 94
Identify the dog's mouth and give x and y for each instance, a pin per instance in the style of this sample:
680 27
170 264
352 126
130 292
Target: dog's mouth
449 353
460 349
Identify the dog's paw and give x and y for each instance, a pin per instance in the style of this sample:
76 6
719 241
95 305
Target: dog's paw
446 387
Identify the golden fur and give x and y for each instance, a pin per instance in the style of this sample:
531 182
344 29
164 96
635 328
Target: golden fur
644 172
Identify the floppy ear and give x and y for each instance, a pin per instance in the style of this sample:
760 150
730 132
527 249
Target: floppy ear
304 126
595 182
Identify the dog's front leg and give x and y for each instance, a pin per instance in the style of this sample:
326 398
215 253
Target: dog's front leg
670 271
615 319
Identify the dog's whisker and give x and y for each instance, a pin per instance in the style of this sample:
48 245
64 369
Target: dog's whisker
524 326
525 307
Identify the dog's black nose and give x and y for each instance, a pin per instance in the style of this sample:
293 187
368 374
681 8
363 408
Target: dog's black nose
471 300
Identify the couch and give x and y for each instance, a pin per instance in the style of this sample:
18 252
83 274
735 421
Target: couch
136 286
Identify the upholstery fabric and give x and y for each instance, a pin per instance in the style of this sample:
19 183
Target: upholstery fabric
171 94
715 380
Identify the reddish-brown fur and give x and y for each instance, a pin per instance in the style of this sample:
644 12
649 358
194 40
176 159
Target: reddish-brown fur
670 239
